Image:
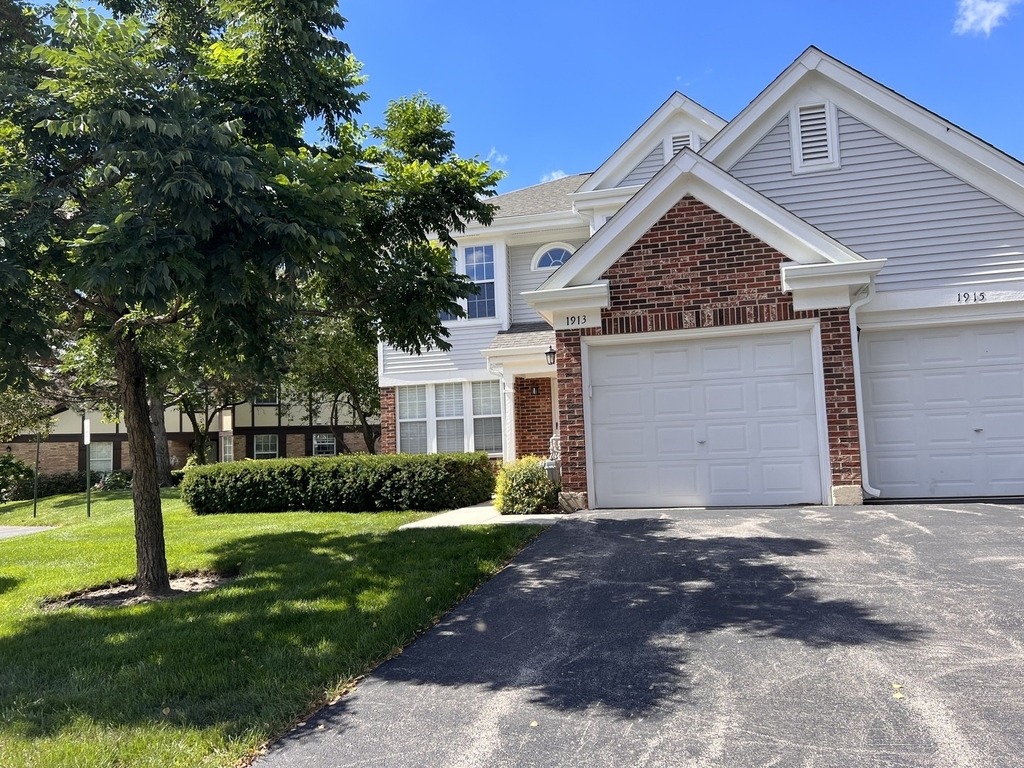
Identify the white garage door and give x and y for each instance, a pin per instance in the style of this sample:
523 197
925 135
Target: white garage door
944 410
714 422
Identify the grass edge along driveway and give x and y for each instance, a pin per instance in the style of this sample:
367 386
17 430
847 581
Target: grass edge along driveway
207 679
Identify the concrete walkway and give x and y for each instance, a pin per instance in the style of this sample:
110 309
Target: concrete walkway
480 514
10 531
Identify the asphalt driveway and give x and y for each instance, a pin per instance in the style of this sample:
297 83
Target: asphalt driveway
857 636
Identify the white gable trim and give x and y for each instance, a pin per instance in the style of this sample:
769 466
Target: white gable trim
922 132
690 174
640 144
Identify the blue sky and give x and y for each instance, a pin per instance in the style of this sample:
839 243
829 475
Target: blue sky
553 87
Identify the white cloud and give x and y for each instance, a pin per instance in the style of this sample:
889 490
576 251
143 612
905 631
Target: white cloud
552 176
496 157
981 15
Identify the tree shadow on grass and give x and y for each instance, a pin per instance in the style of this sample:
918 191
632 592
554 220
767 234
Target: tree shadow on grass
609 614
306 611
7 583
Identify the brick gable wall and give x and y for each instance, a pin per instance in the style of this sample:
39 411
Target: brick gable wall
697 269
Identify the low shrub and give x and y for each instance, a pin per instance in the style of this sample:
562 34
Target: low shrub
355 483
118 480
13 472
50 485
524 488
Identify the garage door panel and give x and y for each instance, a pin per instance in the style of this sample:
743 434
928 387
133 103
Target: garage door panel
999 347
948 418
669 363
785 477
676 441
889 392
787 436
725 439
946 429
782 396
891 431
934 389
675 400
632 442
719 360
1000 385
725 399
623 403
729 421
620 367
1000 426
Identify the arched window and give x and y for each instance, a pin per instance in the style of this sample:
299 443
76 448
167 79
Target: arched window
552 256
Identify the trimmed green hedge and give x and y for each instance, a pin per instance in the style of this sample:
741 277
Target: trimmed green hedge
356 483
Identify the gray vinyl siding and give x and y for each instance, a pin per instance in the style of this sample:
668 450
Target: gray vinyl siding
467 339
646 168
887 202
525 279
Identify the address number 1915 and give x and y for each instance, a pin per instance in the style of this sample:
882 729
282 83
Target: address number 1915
970 297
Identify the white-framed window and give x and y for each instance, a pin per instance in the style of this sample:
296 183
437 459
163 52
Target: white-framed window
448 412
227 448
412 419
551 256
482 264
325 445
101 458
814 137
450 417
479 263
487 416
264 447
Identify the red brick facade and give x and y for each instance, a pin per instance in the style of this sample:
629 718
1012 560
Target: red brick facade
388 421
697 269
533 416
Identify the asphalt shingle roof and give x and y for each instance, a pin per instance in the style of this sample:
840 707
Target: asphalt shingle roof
524 335
549 197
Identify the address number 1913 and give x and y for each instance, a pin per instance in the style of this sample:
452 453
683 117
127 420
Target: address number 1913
575 321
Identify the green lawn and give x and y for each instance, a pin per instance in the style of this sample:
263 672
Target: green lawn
206 679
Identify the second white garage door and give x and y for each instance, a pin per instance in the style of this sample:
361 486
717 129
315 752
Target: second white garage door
729 421
944 410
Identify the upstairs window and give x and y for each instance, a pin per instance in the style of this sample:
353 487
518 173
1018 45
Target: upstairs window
552 256
480 269
813 137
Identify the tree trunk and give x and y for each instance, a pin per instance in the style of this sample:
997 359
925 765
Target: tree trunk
163 453
199 438
150 557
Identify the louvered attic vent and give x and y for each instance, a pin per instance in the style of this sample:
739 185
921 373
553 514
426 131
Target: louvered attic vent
681 142
814 138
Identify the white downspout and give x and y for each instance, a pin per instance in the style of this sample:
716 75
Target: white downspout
858 391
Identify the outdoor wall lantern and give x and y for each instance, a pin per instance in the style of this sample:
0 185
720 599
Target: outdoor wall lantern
550 355
535 390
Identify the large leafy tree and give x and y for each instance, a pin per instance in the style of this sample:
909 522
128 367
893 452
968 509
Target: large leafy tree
153 171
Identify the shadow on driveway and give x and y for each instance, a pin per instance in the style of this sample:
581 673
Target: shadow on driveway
602 613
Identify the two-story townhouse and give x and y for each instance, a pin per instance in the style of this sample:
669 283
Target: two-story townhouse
264 428
820 301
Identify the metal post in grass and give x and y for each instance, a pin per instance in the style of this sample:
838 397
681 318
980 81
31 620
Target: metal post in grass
87 439
35 480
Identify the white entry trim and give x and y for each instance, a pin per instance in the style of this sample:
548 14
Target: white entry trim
812 326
